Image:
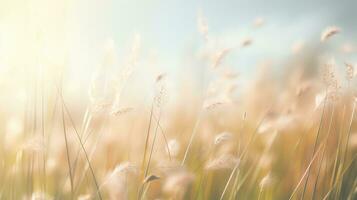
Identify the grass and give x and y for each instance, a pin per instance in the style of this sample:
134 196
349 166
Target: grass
288 145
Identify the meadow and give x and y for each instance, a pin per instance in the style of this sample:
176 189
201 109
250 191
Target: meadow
285 133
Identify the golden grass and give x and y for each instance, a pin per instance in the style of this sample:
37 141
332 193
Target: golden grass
273 138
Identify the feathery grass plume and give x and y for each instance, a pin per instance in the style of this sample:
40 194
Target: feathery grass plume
222 137
135 50
168 167
330 79
212 105
229 74
258 22
328 73
224 161
266 181
329 32
216 102
117 188
276 123
116 182
322 144
160 77
122 169
202 25
246 42
161 91
126 72
98 91
146 184
173 147
218 57
150 178
177 184
350 73
122 111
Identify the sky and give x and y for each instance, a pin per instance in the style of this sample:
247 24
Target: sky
76 32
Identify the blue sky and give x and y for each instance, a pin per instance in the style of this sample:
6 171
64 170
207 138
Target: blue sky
168 28
79 30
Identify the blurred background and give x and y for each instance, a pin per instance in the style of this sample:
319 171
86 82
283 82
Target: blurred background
208 67
78 31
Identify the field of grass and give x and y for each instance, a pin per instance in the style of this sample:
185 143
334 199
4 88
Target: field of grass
284 133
